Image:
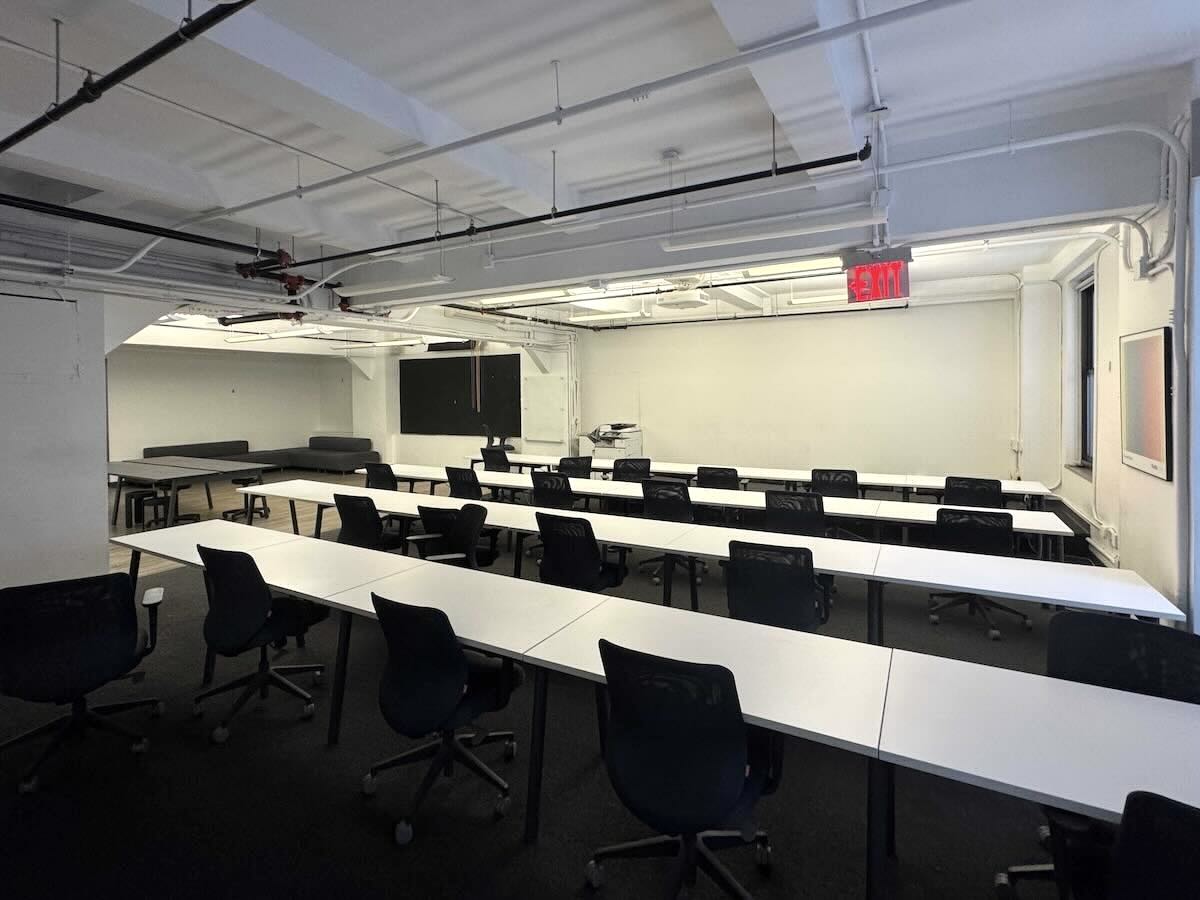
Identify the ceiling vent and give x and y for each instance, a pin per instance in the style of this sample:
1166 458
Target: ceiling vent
691 298
49 190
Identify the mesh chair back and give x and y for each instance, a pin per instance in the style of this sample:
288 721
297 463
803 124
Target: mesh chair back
576 466
667 500
835 482
361 525
437 520
62 639
570 555
552 489
773 586
676 744
460 528
795 512
239 601
962 491
381 477
495 459
719 477
426 669
1156 850
1124 654
971 531
464 483
631 469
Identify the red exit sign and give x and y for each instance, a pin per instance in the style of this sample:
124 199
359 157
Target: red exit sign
877 281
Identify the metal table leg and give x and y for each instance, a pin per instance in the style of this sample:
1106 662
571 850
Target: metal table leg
695 590
878 775
874 612
518 554
339 678
668 575
173 504
317 527
135 560
117 500
537 751
295 521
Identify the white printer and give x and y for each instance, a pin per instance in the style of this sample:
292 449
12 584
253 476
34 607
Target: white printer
615 441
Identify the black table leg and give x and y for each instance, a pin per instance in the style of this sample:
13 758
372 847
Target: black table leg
117 500
668 575
173 504
891 809
248 503
317 527
339 678
295 521
537 750
518 554
877 828
695 589
874 612
135 560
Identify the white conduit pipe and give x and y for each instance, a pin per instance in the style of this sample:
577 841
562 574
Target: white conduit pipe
556 116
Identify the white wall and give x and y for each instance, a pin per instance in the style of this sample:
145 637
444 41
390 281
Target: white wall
170 396
924 389
52 483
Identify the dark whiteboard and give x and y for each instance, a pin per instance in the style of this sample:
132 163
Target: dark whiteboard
438 396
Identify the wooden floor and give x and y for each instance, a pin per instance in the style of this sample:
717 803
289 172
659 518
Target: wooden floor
226 497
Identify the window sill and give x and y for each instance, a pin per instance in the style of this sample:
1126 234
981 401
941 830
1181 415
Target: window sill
1084 472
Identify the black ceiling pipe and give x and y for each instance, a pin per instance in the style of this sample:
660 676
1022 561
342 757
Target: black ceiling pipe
92 90
228 321
83 215
476 230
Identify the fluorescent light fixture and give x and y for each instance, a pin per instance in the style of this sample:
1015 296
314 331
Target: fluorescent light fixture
386 287
247 338
833 263
817 298
391 252
548 294
402 342
702 238
605 316
305 331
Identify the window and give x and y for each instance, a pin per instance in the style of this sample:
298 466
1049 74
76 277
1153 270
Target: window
1087 373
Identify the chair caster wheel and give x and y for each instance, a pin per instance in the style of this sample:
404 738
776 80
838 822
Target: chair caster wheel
529 554
762 854
369 785
593 873
500 810
655 579
317 677
158 710
219 735
197 710
403 833
699 579
510 750
1043 837
1028 623
139 746
934 618
994 634
28 785
308 711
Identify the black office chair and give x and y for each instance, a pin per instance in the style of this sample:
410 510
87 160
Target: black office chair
670 501
464 485
62 640
243 615
962 491
572 558
551 490
795 512
631 468
835 483
1125 655
430 685
719 478
381 477
363 527
775 586
969 531
682 759
453 536
495 459
576 466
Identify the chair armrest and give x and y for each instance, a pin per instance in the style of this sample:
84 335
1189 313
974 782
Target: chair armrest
444 557
417 538
151 600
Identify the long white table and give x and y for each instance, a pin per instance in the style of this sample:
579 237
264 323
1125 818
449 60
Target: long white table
1026 580
903 483
1035 522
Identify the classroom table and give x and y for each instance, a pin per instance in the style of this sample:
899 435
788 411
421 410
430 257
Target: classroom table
173 471
1038 523
789 477
1026 580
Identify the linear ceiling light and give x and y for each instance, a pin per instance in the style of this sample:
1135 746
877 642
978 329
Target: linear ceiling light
702 238
822 263
386 287
247 338
551 293
605 316
402 342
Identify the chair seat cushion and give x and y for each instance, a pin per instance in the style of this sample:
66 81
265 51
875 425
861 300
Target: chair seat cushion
490 682
290 616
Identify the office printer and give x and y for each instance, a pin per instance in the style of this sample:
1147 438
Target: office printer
616 440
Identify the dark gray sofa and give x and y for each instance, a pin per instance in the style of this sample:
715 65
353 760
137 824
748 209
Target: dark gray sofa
329 454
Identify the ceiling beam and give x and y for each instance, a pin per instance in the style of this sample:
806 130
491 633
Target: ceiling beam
298 76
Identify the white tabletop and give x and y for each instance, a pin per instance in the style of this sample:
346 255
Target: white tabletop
1007 485
501 615
1033 580
1070 745
179 543
820 688
854 558
1024 520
